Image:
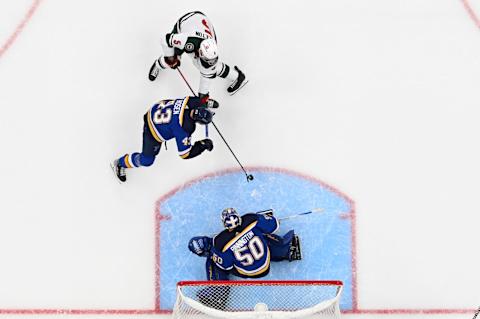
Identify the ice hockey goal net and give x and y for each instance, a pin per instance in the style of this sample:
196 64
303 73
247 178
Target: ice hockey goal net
258 299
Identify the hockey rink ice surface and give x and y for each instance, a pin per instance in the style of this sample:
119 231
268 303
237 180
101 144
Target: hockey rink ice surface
366 109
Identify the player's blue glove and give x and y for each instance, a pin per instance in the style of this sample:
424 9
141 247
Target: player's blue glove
200 245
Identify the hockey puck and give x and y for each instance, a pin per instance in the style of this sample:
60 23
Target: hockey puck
250 177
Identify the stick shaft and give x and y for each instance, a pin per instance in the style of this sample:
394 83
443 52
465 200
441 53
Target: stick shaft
186 82
191 90
316 210
218 131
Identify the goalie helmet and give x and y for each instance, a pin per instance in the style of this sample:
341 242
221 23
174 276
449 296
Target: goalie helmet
208 51
230 218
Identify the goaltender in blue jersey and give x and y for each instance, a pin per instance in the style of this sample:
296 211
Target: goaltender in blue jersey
246 247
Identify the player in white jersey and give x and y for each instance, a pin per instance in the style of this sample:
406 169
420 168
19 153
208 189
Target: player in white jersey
194 35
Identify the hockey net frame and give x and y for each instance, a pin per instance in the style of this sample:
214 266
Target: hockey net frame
200 310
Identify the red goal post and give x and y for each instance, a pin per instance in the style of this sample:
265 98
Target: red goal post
241 299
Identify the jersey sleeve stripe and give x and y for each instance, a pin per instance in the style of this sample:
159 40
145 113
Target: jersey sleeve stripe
219 266
234 239
278 224
184 156
128 162
257 271
208 76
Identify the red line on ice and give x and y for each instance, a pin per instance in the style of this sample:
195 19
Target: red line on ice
20 27
259 169
159 218
471 12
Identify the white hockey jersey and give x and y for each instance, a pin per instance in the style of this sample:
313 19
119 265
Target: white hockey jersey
187 34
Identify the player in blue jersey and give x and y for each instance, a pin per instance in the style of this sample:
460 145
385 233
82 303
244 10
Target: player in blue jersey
246 247
165 120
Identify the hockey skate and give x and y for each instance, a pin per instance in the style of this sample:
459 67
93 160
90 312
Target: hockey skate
119 171
238 83
154 70
295 252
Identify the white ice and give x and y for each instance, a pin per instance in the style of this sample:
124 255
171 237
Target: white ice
378 98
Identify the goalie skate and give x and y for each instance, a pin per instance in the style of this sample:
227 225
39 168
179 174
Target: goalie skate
295 251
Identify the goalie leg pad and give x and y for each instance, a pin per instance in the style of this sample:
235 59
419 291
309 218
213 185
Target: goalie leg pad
279 245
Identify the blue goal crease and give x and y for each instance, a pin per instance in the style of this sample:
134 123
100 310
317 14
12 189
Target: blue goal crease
326 237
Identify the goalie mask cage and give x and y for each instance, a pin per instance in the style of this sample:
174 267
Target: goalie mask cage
259 299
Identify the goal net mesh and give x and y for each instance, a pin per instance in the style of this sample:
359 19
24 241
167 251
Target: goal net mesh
258 299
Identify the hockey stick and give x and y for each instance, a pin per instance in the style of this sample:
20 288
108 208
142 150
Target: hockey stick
316 210
249 176
268 211
188 84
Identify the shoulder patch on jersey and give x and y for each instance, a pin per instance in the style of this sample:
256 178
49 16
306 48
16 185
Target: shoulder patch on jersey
189 47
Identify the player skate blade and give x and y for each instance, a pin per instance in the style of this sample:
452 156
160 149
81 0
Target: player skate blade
112 166
241 86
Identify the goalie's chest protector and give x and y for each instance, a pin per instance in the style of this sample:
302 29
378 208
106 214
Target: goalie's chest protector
246 249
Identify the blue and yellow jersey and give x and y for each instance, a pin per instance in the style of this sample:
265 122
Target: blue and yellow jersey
245 249
165 121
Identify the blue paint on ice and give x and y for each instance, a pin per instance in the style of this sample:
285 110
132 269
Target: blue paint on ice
195 210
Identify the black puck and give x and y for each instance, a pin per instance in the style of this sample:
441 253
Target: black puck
250 177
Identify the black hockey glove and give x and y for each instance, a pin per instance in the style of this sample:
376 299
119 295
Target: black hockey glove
207 144
199 147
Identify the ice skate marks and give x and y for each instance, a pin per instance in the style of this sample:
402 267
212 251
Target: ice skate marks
194 209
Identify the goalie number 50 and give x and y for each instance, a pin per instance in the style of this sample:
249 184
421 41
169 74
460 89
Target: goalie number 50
251 252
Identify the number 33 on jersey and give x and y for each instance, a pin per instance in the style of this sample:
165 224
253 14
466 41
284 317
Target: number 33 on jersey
165 121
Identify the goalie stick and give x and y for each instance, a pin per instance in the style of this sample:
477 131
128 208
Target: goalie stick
270 212
313 211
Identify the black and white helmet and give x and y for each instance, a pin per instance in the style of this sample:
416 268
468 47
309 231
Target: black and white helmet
230 218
